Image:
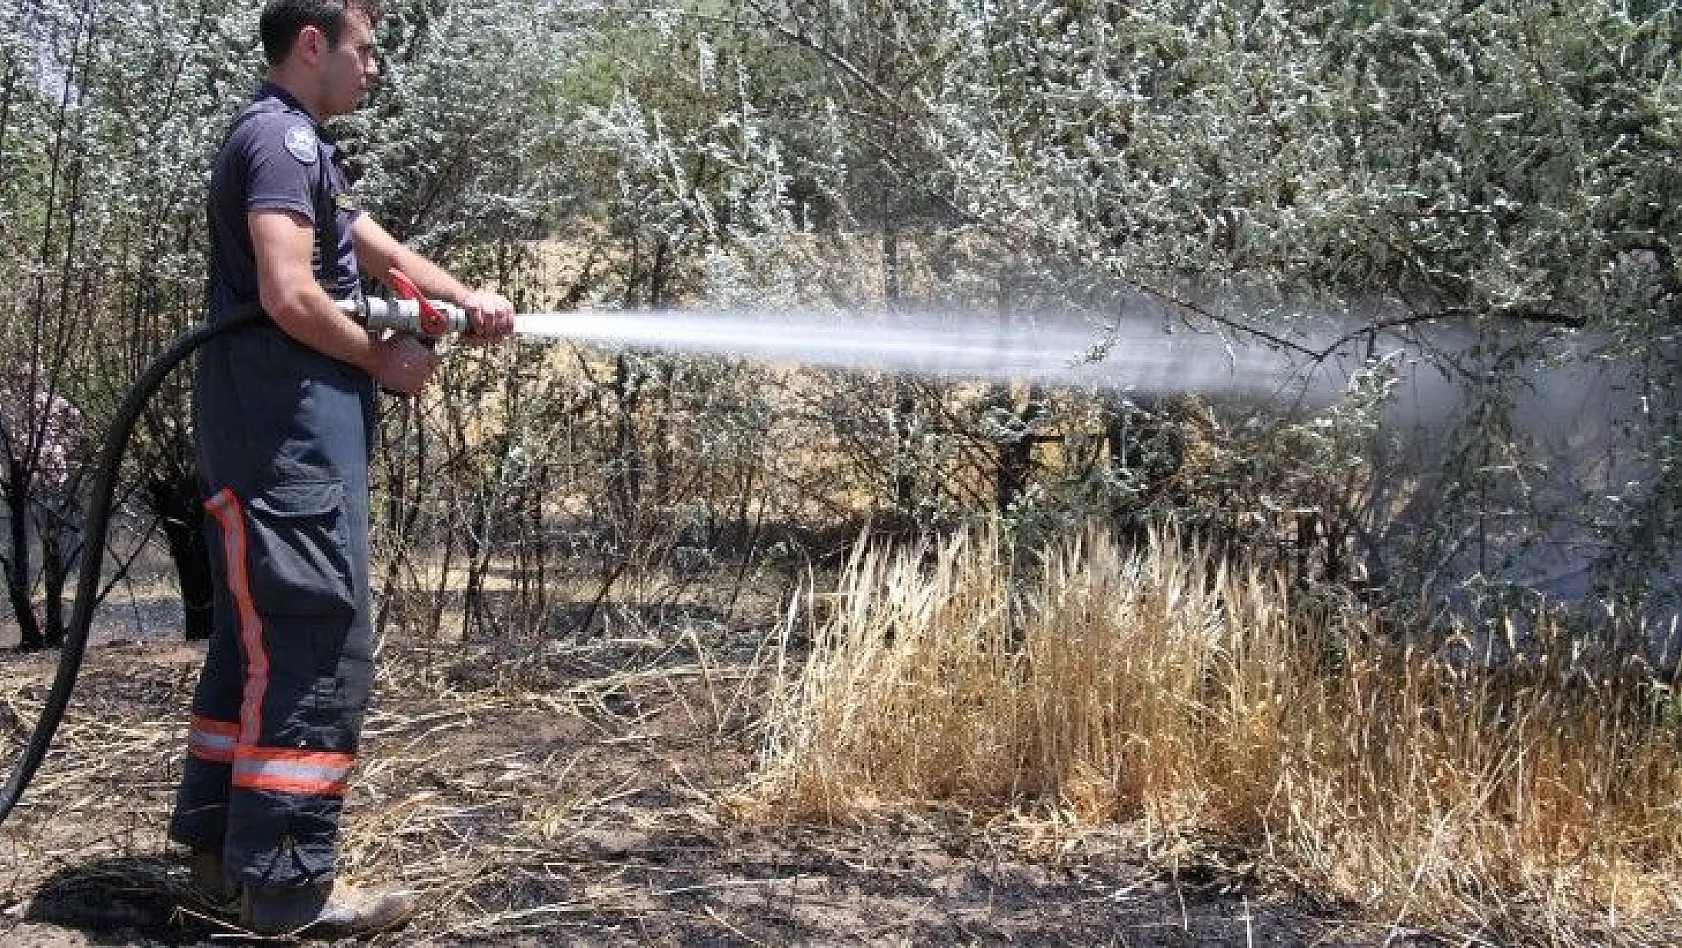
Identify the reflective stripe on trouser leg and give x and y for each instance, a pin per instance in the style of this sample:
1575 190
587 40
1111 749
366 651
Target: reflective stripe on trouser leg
212 740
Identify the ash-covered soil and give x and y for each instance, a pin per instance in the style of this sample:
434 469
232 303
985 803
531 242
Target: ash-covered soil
590 793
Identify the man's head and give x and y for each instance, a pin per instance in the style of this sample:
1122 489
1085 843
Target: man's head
321 50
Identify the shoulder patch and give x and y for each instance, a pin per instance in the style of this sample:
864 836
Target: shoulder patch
300 142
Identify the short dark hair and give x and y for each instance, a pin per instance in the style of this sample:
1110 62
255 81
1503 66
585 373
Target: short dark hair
282 20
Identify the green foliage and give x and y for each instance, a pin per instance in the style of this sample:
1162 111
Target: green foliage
1252 167
464 140
1500 167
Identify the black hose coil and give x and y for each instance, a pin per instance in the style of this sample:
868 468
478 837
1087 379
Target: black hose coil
97 520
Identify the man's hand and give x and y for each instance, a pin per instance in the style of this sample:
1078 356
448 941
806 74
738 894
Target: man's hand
401 364
490 317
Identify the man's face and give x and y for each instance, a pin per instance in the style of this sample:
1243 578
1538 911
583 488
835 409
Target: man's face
347 67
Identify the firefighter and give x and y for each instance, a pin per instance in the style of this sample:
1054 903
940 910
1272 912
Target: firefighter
284 414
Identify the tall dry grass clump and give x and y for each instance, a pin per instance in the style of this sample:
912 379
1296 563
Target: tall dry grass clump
1538 793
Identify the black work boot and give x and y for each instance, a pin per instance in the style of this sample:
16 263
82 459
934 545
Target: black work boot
209 889
326 910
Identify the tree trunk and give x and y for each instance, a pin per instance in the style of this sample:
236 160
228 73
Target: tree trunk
57 562
625 474
17 569
660 439
904 479
1016 452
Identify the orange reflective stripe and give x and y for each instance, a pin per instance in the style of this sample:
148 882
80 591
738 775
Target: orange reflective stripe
225 507
302 787
212 740
286 770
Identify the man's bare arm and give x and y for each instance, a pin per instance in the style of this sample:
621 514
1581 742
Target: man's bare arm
286 288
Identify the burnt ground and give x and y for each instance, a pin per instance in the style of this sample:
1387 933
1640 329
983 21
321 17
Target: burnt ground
592 794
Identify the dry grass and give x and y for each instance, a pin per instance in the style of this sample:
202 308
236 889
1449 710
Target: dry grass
1530 799
1086 708
565 793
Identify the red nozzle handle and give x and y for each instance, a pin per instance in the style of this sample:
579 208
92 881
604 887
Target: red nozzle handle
433 322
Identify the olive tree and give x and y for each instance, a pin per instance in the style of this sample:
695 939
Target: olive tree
1283 172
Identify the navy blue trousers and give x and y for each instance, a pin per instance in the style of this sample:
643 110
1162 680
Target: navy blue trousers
283 435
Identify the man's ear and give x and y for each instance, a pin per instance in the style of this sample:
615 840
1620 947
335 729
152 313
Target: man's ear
310 44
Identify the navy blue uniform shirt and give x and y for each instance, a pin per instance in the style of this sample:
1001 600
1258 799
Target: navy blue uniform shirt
269 409
277 158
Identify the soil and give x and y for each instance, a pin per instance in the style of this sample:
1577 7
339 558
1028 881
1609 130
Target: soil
589 793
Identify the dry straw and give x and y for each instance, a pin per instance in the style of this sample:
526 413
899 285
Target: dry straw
1158 688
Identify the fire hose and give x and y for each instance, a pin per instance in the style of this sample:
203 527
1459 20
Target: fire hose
412 313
